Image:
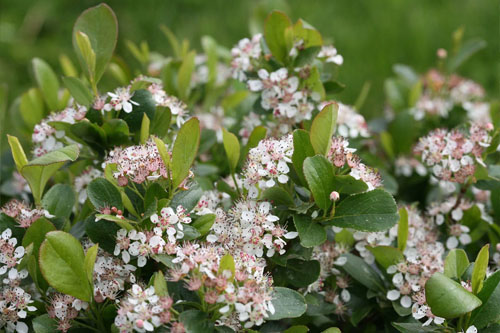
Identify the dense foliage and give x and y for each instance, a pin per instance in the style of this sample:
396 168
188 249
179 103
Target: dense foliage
231 191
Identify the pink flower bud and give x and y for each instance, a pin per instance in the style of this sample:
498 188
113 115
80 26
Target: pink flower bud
334 196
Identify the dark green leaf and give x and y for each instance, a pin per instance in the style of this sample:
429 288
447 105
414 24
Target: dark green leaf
318 172
287 304
104 194
59 200
310 232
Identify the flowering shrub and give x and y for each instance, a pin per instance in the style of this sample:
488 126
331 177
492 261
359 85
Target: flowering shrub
233 192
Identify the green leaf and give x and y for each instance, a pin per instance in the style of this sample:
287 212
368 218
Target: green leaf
362 272
146 106
187 199
447 298
160 284
196 321
59 200
144 134
402 229
38 172
17 152
302 149
227 263
62 263
456 264
78 90
323 127
278 196
274 34
116 132
184 75
318 172
90 258
287 304
303 31
301 273
413 328
164 154
88 55
102 232
47 82
332 330
386 255
232 148
370 211
297 329
480 267
348 184
100 25
161 122
204 223
184 151
36 234
44 324
32 107
310 233
102 193
489 312
468 49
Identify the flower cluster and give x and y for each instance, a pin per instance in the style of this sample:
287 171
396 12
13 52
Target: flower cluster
330 54
142 310
245 292
64 309
140 244
23 213
340 155
48 137
177 107
441 94
250 227
137 163
267 164
406 166
171 221
245 55
453 154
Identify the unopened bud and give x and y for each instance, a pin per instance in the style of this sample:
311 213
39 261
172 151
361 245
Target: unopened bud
441 53
334 196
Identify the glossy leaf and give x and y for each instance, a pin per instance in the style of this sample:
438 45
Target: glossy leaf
62 263
311 233
480 267
362 272
287 304
370 211
90 258
232 148
489 312
323 127
318 172
184 151
102 193
301 273
59 200
348 184
274 34
204 223
302 149
456 264
386 255
447 298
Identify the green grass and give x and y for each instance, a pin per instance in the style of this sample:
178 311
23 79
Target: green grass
371 35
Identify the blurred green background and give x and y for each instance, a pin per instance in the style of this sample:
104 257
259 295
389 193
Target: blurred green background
371 35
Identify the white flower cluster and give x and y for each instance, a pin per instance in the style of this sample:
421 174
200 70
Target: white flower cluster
47 138
250 227
177 107
266 164
23 214
171 221
406 166
245 54
64 308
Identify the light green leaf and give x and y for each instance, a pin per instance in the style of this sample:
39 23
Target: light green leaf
456 264
447 298
232 148
468 49
274 34
17 152
402 229
99 24
47 82
90 258
62 263
78 90
144 134
184 151
38 172
297 329
36 234
480 267
386 255
32 107
160 284
370 211
323 127
184 75
311 233
318 172
287 304
204 223
227 263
